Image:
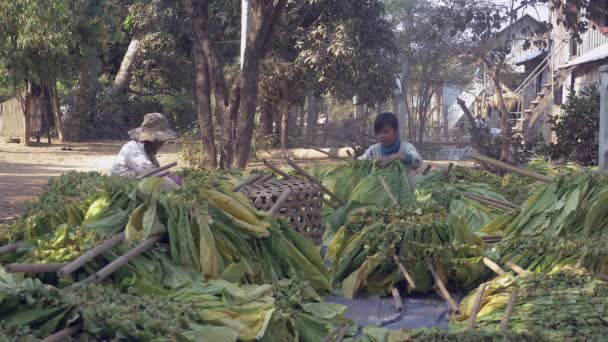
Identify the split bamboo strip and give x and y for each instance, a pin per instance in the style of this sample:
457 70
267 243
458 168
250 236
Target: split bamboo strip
312 179
504 323
476 306
247 182
487 160
62 335
123 260
493 266
442 288
277 205
504 203
33 268
275 169
487 202
397 299
330 155
389 192
517 269
410 282
10 248
160 169
90 254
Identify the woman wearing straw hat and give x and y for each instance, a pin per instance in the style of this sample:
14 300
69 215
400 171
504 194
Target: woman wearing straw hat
138 156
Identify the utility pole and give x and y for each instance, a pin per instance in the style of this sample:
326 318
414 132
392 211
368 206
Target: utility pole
603 158
244 21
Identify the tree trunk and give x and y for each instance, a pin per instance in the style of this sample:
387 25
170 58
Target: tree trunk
475 134
395 104
505 128
312 117
267 119
58 114
203 105
123 77
265 16
26 105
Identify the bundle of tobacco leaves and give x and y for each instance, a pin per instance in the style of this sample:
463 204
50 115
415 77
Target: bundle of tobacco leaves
567 304
363 251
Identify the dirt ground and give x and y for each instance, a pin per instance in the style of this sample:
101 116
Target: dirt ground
25 170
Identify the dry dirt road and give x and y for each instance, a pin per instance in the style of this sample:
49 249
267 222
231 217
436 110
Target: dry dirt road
24 171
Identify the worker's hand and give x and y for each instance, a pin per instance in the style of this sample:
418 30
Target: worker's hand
385 161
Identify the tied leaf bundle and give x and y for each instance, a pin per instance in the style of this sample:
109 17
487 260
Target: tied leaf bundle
567 304
362 251
377 334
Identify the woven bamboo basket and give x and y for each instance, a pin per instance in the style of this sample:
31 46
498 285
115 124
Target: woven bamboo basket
302 207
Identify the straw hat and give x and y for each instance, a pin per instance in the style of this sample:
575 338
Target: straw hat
154 128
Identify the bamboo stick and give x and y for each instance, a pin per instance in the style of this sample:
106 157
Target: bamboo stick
504 203
493 266
427 169
10 248
330 155
277 205
491 239
312 179
264 179
516 268
341 334
248 181
389 192
33 268
91 254
330 204
487 202
333 333
160 169
410 282
446 176
487 160
397 299
504 323
61 335
442 288
476 306
123 260
275 169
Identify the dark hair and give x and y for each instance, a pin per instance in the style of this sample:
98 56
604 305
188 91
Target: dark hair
386 119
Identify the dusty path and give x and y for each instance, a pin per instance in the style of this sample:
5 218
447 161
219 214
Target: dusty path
25 170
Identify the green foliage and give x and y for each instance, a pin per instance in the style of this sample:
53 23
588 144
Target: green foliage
577 129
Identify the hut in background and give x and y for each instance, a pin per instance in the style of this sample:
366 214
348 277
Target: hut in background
21 118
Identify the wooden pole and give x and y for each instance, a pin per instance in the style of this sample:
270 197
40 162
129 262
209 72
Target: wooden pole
123 260
33 268
334 333
476 306
442 288
312 179
504 323
153 172
487 160
10 248
61 335
277 205
516 268
487 202
397 299
493 266
389 192
248 181
427 169
446 176
90 254
410 282
275 169
264 179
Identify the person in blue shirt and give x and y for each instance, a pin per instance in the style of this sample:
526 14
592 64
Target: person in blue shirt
391 148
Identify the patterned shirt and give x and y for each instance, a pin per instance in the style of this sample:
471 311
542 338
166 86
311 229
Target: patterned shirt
133 161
